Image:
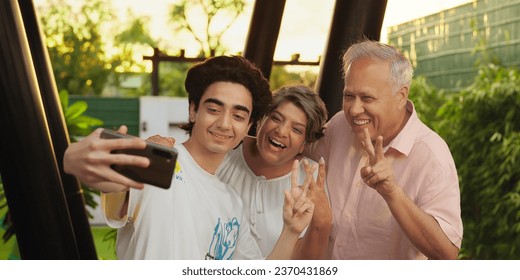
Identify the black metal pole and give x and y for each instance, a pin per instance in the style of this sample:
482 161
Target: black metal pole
27 161
263 33
155 71
351 22
58 129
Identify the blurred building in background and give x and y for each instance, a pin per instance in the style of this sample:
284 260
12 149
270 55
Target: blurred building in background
445 47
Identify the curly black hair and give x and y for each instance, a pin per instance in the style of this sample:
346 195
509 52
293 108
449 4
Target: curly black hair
235 69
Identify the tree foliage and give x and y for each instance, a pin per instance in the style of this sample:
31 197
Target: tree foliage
171 78
481 124
84 59
427 100
134 37
281 76
75 45
207 21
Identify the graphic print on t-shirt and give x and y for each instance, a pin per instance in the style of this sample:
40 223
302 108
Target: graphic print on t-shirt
178 172
225 238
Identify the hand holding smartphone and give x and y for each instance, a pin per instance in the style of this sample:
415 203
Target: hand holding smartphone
162 162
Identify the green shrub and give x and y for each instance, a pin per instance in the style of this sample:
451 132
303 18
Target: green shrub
427 100
482 127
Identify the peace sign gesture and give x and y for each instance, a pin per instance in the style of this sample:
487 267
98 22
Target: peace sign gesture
298 208
378 174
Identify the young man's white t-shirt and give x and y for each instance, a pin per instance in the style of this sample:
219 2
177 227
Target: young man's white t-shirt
198 217
262 198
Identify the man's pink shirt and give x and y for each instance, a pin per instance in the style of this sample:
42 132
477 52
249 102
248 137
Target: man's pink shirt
364 227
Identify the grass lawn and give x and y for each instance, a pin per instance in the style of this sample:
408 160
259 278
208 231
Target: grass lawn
105 249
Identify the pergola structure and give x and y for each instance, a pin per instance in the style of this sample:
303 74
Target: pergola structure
46 204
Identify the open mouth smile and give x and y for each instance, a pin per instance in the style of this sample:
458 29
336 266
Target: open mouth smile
220 136
276 143
361 122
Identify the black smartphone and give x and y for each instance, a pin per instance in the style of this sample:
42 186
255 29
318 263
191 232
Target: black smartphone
162 162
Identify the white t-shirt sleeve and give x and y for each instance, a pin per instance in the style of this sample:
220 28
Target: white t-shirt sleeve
111 206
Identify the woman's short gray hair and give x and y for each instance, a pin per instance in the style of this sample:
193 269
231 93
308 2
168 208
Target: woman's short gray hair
309 102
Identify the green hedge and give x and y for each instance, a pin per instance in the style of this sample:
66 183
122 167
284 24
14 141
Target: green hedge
481 125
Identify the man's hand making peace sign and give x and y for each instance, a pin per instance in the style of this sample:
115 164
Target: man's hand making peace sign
378 174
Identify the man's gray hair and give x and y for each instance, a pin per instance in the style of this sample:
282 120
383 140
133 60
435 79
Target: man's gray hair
401 69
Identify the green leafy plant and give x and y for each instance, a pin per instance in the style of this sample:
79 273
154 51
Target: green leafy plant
427 99
482 127
78 124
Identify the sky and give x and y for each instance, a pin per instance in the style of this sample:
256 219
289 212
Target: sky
303 30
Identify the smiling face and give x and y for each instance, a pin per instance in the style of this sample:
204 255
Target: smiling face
281 135
368 100
221 120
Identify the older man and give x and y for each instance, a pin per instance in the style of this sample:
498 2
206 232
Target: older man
392 181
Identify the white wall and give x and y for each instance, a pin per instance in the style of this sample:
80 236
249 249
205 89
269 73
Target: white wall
161 115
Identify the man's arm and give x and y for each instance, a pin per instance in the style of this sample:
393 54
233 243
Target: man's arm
421 228
316 150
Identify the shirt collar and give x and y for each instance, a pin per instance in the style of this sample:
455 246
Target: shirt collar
404 141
